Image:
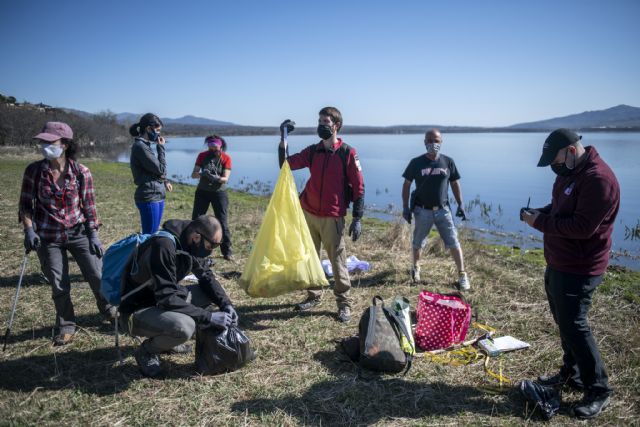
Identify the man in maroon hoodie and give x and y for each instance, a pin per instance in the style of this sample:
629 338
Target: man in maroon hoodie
577 228
335 181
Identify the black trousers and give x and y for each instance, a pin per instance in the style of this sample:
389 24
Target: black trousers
220 203
569 298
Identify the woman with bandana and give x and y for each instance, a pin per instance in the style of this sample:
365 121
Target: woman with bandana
149 171
213 169
58 212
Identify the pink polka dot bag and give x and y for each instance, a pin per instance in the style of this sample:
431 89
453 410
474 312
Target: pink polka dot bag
443 320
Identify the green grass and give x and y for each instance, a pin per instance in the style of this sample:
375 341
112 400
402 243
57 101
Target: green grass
299 376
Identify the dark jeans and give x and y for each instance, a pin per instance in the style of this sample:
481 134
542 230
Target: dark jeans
569 298
220 203
55 266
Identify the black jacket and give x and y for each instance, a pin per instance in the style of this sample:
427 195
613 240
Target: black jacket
163 264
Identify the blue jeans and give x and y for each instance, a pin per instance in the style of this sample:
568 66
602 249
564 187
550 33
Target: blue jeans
426 218
150 215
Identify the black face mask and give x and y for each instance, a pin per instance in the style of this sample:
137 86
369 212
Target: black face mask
198 250
324 131
561 169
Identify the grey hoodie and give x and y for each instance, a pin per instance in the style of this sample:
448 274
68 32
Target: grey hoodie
149 172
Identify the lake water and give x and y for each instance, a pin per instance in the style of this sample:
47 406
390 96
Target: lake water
498 173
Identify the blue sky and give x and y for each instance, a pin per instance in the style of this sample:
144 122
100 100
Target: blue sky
485 63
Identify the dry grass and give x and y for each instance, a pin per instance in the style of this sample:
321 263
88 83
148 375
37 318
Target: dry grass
299 376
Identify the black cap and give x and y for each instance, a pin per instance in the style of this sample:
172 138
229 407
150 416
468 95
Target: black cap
556 141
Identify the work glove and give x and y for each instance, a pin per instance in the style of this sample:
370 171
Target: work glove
213 178
406 214
95 247
218 320
232 312
31 240
460 213
289 124
355 230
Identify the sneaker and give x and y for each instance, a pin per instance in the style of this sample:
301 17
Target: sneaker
344 314
149 363
559 380
110 314
592 404
308 304
180 349
415 274
463 281
63 339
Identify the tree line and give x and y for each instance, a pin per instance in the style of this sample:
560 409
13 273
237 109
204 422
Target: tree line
94 133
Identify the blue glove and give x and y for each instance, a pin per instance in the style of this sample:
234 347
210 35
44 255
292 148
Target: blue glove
232 312
460 213
95 247
355 230
219 320
406 214
31 240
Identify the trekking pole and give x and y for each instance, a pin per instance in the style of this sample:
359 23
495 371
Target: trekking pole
15 301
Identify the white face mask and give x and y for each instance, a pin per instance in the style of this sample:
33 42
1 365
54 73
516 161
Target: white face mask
52 152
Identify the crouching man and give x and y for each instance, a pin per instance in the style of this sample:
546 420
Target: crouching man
165 312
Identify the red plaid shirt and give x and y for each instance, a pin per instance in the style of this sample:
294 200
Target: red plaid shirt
55 210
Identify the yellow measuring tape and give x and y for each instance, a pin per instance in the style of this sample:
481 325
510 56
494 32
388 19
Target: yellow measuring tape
467 354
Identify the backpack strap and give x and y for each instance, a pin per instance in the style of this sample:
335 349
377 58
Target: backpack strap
403 330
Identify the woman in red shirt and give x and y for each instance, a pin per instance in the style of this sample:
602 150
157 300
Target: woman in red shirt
213 168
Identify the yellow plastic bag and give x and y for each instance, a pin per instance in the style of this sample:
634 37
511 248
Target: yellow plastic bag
283 257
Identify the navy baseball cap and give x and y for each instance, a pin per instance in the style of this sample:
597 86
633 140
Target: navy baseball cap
556 141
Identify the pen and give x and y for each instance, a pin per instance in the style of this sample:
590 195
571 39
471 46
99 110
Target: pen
528 201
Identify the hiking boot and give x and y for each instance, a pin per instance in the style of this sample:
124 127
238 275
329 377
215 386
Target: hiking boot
180 349
592 404
559 380
228 257
344 314
463 281
415 274
63 338
149 363
308 304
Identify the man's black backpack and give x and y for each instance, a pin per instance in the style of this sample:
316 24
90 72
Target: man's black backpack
380 332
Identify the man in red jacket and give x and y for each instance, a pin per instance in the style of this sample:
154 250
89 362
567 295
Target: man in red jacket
577 228
335 181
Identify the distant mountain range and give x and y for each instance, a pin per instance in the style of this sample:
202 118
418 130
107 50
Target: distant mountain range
130 118
618 117
621 117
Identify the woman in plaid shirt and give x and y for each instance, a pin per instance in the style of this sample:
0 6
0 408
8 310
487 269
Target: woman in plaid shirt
57 209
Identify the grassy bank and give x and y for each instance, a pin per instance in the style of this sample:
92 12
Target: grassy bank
299 376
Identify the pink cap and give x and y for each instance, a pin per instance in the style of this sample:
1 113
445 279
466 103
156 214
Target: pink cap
53 131
214 142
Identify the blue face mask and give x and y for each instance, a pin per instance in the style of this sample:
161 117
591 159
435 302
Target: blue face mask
153 135
432 148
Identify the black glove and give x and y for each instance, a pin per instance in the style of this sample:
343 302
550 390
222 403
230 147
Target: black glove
460 213
407 214
219 320
95 247
522 213
214 179
290 125
31 240
232 312
355 230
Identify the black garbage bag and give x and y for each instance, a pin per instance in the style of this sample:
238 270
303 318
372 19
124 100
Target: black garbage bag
544 397
218 352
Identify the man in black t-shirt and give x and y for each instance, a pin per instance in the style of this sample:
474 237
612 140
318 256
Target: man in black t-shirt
430 203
